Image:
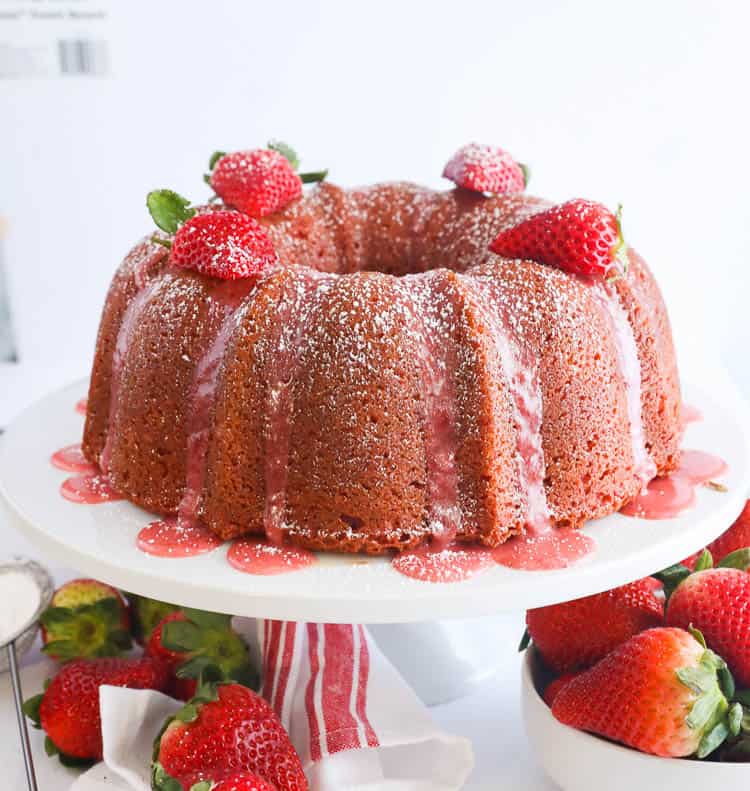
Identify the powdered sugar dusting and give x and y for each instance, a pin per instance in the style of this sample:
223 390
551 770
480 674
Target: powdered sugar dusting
453 564
170 539
253 556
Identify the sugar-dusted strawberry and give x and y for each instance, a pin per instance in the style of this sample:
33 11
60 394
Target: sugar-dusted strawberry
224 244
145 615
659 692
259 182
573 635
483 168
190 640
579 236
226 728
717 602
68 710
86 618
244 781
227 245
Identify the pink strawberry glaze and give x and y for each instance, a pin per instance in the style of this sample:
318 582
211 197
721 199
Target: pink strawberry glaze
229 297
444 518
543 551
71 459
254 556
455 563
170 539
89 489
295 317
669 496
82 405
630 369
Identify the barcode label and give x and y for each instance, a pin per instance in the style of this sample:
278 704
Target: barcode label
83 57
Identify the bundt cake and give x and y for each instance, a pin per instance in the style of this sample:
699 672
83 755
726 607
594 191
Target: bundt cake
386 380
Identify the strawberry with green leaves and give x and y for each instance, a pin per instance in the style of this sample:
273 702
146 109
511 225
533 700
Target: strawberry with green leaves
226 728
580 236
227 245
261 181
717 602
574 635
190 640
86 618
146 614
661 692
68 710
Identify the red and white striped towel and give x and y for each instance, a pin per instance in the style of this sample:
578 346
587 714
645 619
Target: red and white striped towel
354 721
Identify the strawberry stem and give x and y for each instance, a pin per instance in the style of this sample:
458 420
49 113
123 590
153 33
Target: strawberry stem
316 175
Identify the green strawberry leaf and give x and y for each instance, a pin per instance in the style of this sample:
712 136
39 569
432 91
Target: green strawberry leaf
214 158
726 681
525 641
161 781
208 620
713 739
705 561
286 151
193 667
743 696
526 170
734 719
64 650
248 676
311 178
671 577
49 747
739 559
181 636
31 709
204 785
168 209
56 616
188 713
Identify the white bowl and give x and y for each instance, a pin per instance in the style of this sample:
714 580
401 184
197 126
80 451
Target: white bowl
578 761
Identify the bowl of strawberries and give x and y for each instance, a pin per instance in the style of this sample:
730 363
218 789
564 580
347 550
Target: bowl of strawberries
648 683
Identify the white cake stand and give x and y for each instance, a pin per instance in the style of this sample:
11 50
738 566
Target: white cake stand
99 540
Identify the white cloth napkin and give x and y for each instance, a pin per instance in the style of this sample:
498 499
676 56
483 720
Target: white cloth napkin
355 723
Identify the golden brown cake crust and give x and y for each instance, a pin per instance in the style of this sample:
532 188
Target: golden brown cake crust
373 385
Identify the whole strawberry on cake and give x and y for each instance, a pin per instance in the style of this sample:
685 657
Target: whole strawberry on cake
381 368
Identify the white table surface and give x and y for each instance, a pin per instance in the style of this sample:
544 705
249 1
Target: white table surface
490 717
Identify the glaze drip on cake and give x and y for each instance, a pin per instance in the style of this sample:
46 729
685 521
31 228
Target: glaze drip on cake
389 381
630 368
295 318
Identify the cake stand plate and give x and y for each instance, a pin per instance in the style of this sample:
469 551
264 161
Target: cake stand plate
100 540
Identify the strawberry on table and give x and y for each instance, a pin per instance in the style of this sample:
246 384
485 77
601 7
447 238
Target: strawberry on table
483 168
659 692
579 236
261 181
227 728
190 640
576 634
86 618
68 710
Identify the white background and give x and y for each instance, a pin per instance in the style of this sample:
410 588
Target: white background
639 102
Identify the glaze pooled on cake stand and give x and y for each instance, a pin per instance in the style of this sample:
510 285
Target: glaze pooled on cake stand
101 540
